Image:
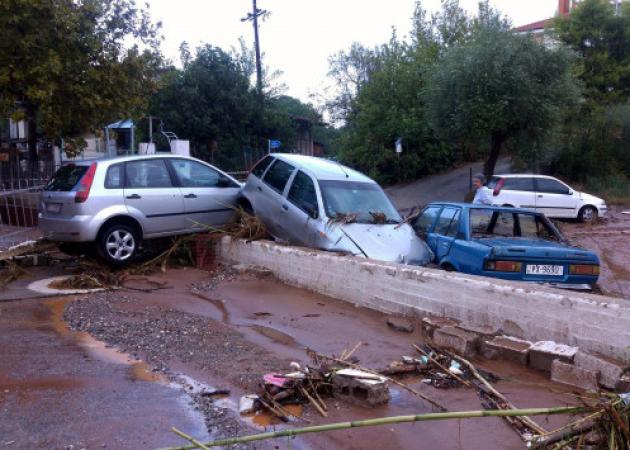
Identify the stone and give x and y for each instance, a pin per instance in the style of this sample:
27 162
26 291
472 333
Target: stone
609 370
353 388
430 324
506 348
565 373
399 324
543 353
483 331
464 343
247 404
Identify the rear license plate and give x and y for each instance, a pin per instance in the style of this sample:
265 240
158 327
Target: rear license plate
53 207
544 269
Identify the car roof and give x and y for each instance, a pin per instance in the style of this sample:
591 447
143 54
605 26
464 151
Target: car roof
479 206
523 175
323 169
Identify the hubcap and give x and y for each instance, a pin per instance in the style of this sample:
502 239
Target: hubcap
588 214
120 245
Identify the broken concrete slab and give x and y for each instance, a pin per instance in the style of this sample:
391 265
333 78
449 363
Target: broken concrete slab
483 331
609 370
400 324
432 323
572 375
247 404
507 348
461 342
259 271
361 388
543 353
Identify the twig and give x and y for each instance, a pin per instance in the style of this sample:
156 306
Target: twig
354 349
389 421
189 438
314 402
435 361
391 380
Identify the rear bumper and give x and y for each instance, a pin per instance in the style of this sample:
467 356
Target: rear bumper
71 229
564 279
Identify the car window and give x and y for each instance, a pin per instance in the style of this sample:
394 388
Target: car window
302 194
259 168
66 178
534 226
147 173
447 216
519 184
114 177
423 222
549 186
488 222
196 174
278 175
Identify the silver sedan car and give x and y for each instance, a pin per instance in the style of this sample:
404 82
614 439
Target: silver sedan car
319 203
116 203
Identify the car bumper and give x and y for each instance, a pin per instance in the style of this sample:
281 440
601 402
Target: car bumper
564 279
71 229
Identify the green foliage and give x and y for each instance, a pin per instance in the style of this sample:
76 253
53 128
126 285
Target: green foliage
499 89
73 66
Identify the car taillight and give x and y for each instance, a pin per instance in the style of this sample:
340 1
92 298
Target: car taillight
498 186
85 185
504 266
584 269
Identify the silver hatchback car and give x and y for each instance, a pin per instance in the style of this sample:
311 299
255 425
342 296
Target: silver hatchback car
116 203
319 203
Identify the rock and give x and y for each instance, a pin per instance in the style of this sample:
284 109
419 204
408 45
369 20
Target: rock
247 404
562 372
507 348
399 324
610 371
370 391
430 324
464 343
543 353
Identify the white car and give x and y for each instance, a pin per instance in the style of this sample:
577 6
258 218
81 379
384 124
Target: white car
546 195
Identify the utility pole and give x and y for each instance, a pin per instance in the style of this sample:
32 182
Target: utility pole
253 17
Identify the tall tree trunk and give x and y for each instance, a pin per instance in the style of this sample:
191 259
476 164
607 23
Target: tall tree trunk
31 139
496 143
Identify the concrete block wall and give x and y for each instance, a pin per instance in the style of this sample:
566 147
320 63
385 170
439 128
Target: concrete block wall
528 311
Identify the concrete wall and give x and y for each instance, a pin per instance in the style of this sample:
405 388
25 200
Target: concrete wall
594 323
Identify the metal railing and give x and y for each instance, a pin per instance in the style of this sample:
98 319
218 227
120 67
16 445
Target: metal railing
18 210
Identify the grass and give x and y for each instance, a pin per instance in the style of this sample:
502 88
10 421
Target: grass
615 189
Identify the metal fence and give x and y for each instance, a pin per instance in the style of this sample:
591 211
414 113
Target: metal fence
18 210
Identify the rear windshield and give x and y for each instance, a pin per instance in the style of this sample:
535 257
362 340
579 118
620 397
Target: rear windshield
489 223
66 178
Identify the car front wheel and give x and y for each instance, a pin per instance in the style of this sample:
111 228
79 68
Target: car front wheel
118 245
588 214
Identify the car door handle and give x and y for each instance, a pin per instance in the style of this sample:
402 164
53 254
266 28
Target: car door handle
190 196
540 196
285 207
259 188
133 197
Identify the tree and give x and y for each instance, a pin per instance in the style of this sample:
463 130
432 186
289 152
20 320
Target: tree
68 67
500 89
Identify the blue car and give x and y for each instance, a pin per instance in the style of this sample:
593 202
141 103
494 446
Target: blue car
503 242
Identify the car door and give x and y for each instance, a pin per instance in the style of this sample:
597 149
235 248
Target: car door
519 192
445 231
271 197
254 185
423 225
209 196
151 194
300 210
555 199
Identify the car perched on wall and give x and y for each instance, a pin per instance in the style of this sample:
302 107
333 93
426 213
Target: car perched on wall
319 203
546 195
503 242
116 203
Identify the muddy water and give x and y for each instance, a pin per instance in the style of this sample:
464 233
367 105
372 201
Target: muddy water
285 320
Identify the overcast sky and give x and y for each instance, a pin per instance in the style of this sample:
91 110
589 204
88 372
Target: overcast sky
300 35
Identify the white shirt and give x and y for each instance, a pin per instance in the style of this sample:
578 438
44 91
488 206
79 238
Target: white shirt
482 197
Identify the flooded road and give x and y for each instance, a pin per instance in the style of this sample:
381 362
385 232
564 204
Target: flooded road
60 386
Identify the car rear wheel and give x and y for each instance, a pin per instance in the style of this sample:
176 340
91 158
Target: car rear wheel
118 245
588 214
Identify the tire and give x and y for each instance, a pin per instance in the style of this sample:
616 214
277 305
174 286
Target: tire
118 245
588 214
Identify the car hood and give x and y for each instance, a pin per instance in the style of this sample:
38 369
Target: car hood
588 198
535 248
388 242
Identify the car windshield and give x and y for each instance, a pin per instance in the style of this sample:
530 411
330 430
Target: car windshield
489 223
352 201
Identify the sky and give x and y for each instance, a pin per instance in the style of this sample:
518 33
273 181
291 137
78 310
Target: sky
299 35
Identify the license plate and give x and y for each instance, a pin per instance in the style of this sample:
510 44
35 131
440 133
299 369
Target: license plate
544 269
53 207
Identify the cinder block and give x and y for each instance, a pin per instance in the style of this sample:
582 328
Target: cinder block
400 324
464 343
562 372
360 391
485 332
610 371
543 353
430 324
507 348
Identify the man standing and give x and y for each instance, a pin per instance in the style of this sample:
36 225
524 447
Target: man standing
481 195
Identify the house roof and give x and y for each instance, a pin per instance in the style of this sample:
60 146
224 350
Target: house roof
534 26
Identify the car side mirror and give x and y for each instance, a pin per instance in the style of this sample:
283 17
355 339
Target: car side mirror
571 192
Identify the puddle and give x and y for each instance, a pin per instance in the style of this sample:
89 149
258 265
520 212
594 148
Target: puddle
218 304
265 419
274 335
